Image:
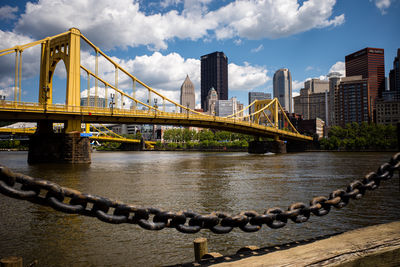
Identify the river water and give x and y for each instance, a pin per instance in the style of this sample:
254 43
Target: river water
174 181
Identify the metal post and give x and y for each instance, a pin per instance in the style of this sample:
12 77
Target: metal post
112 103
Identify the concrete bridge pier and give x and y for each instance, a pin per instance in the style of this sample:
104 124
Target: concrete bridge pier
261 147
45 146
297 146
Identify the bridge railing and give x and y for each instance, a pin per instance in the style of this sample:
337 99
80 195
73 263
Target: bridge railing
149 113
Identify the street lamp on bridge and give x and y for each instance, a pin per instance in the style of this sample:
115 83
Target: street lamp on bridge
112 103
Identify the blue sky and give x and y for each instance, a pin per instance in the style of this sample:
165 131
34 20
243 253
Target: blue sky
160 41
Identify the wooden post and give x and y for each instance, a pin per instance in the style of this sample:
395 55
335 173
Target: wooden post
200 248
11 262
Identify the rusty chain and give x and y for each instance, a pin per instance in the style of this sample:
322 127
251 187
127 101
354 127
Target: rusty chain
71 201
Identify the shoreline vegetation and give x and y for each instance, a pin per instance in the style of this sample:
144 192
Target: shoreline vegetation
360 137
353 137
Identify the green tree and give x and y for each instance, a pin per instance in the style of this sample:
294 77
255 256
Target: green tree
206 135
223 136
361 136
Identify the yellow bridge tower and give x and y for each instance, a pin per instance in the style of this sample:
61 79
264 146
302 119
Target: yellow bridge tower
66 48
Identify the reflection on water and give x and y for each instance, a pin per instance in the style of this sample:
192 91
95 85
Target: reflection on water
203 182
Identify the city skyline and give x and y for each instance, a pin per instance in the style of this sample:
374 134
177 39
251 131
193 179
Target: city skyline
146 38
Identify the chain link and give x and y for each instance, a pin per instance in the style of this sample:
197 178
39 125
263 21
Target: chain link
71 201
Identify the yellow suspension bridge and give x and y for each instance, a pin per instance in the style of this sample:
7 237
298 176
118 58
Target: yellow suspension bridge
268 119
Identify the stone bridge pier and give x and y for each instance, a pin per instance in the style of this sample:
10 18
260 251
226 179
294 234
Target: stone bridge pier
46 146
276 146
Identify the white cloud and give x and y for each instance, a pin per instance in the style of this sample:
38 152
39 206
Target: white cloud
237 42
8 12
382 5
246 77
338 67
111 25
257 49
297 85
166 73
7 93
274 19
30 58
309 68
167 3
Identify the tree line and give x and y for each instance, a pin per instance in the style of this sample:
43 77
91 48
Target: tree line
187 139
361 136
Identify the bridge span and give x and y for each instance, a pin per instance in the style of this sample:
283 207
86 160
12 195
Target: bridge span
10 110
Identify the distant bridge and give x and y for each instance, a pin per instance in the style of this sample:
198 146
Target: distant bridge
97 136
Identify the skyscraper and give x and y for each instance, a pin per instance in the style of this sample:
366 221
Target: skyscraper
312 102
214 73
211 100
334 81
283 88
187 94
370 63
351 101
394 75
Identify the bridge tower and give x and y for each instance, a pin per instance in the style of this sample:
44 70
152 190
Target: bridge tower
45 145
68 49
270 115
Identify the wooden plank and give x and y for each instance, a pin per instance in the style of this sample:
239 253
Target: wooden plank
377 245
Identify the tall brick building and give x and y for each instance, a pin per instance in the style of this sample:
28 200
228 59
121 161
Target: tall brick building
370 64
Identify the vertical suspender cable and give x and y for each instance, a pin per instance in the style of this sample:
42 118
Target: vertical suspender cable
106 96
16 75
116 81
20 74
163 104
149 100
134 93
88 89
96 82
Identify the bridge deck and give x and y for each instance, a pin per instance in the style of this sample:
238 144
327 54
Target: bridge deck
59 113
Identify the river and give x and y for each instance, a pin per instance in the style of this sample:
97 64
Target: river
174 181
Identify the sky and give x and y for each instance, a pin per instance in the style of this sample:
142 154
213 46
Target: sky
161 41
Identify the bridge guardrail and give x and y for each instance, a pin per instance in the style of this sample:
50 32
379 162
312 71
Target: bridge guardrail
100 111
47 193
